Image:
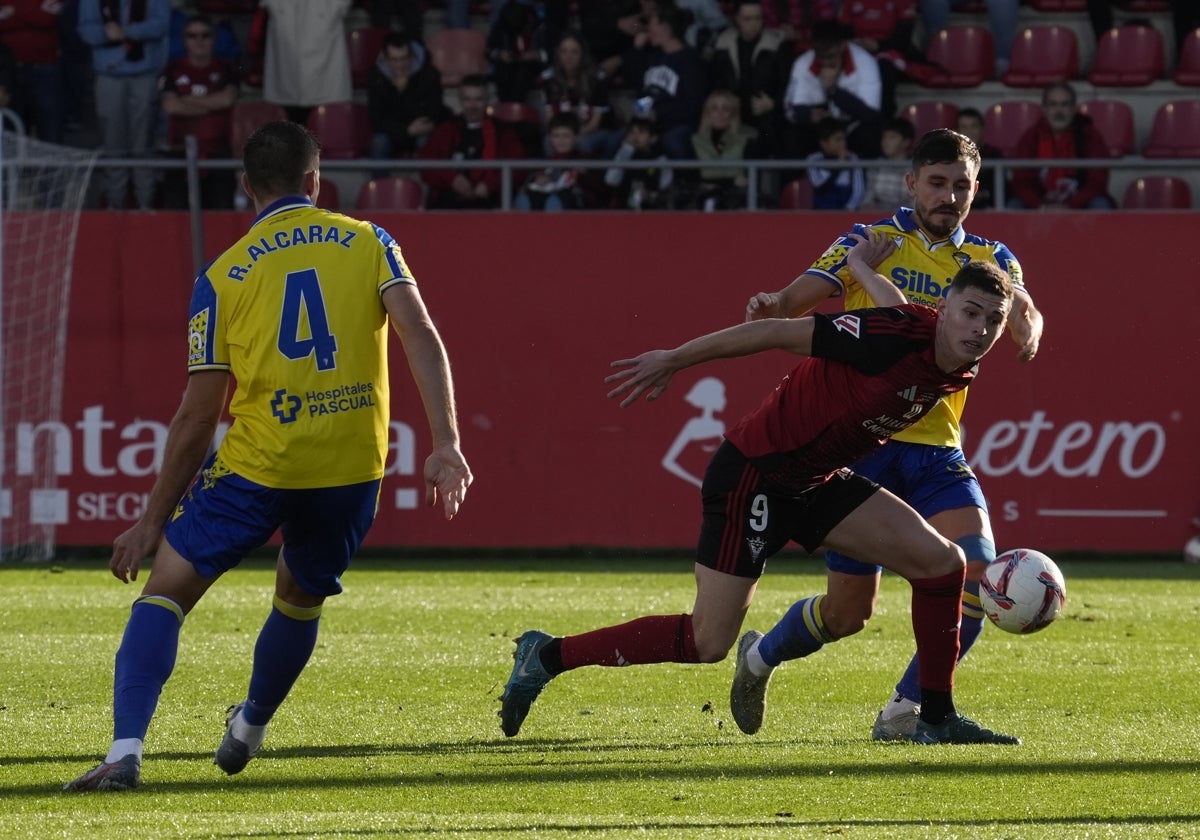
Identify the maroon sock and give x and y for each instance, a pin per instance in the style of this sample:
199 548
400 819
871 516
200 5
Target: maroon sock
643 641
936 613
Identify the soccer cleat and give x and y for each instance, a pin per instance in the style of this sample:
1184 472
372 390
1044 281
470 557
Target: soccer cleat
898 727
526 682
120 775
957 729
748 694
233 755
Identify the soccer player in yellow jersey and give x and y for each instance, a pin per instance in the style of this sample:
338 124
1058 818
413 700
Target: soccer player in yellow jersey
923 465
297 314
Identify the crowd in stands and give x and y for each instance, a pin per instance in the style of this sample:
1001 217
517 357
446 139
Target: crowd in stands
650 82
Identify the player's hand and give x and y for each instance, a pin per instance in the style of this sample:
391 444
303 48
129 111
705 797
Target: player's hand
131 548
1026 331
765 305
649 373
447 476
870 250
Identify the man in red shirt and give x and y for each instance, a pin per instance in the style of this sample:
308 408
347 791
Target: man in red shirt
30 29
198 92
780 476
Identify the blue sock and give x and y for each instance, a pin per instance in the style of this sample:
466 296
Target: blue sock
283 649
144 663
799 633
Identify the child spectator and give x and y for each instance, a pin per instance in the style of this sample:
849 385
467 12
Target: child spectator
648 187
887 187
573 84
970 124
557 187
517 49
835 189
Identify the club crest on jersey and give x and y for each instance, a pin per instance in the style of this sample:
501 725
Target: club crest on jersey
961 258
848 324
756 545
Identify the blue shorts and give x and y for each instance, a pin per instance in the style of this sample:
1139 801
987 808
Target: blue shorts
223 517
930 478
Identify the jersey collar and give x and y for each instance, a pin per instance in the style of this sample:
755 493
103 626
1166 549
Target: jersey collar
288 202
906 219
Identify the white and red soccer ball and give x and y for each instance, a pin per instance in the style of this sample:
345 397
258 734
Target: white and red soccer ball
1022 591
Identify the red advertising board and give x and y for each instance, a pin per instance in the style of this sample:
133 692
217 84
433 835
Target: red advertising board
1090 447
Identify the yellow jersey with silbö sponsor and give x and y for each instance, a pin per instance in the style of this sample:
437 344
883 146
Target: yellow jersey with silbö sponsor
293 310
923 270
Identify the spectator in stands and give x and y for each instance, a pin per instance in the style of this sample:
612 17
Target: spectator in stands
198 92
573 84
608 28
835 189
885 29
30 29
404 98
836 78
722 137
518 51
887 187
671 77
796 18
1002 21
129 49
471 135
558 187
648 187
708 21
750 61
970 124
1063 133
406 16
305 64
225 42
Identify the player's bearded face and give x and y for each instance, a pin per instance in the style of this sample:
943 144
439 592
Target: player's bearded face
942 195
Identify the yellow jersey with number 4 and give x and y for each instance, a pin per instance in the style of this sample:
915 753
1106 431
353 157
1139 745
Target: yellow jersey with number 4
293 310
922 270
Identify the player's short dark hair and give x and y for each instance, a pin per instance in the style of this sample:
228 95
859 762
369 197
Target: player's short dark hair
944 145
277 156
984 276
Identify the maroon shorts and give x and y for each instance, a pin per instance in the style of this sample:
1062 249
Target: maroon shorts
746 520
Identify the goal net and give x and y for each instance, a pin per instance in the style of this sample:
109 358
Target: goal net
42 188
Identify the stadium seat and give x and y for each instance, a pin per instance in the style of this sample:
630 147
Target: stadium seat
329 197
967 54
1114 120
391 193
457 53
364 46
796 195
515 112
1128 56
246 116
1042 55
1005 122
1187 71
342 128
1158 192
930 114
1175 132
1148 6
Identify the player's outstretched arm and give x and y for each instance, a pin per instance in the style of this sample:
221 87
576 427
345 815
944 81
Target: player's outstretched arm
651 372
447 475
798 298
1025 324
188 440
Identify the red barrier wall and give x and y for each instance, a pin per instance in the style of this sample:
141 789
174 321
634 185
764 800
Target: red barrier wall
1093 446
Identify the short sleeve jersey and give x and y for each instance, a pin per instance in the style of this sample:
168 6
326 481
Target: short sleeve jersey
923 271
293 310
872 374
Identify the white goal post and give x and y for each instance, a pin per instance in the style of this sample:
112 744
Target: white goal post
42 189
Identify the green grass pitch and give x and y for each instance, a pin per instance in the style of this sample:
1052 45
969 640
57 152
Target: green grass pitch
392 730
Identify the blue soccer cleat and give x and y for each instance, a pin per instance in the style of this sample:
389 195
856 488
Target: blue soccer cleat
526 682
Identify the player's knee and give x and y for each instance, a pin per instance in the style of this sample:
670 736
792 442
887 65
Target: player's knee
847 618
709 651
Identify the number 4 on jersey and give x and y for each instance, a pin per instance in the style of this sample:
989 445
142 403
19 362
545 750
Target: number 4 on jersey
302 301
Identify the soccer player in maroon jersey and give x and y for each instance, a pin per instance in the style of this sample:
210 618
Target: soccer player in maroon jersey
781 475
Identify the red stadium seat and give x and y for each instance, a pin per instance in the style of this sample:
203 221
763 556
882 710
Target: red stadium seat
1042 55
796 195
342 128
364 46
1143 6
457 53
391 193
1175 132
1114 120
1128 56
930 114
329 197
520 112
967 54
1187 71
1158 192
1005 122
246 116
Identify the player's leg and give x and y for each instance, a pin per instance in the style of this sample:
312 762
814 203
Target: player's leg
322 530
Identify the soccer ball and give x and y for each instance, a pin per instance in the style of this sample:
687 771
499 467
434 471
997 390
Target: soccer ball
1022 591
